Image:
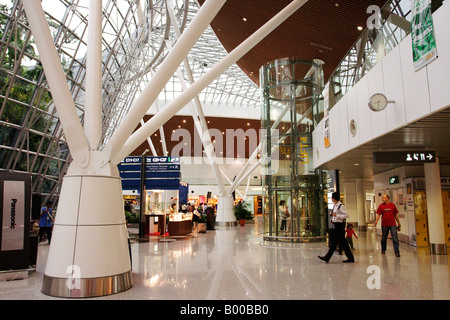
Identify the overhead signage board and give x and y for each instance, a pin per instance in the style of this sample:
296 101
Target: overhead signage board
162 160
160 172
411 157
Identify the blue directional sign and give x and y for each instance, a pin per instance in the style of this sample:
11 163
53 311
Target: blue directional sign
160 172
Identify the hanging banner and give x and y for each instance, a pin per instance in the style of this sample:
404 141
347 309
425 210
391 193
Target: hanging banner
423 41
326 105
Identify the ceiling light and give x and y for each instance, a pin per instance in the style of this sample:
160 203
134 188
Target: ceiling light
360 28
244 18
356 164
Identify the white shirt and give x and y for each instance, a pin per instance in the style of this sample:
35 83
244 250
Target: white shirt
282 210
341 213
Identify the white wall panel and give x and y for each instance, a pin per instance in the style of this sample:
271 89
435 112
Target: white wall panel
376 85
439 70
393 87
352 106
362 94
318 143
416 93
415 84
344 127
335 131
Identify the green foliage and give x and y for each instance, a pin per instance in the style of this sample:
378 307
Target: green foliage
131 217
24 98
202 218
242 212
21 91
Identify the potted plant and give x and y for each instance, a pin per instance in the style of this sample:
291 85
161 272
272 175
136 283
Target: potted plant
132 219
201 227
242 212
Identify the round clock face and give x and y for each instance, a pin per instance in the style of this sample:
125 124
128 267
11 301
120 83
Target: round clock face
378 102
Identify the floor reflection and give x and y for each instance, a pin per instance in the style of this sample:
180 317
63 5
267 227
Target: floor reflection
235 263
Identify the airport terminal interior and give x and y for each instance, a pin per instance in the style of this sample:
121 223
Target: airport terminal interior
224 150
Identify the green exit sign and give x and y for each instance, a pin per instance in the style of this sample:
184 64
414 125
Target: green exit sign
393 180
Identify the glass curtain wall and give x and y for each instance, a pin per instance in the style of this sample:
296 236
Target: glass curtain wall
291 89
135 42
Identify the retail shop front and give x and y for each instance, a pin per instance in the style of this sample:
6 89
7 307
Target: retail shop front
157 212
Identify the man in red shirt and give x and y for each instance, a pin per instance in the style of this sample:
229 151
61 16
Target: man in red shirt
389 215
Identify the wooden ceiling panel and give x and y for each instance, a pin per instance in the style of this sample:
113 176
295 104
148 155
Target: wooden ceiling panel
329 24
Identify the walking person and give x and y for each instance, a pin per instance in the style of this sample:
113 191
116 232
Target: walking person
388 213
284 214
46 222
350 232
336 226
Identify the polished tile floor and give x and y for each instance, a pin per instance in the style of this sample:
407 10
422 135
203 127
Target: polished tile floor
236 264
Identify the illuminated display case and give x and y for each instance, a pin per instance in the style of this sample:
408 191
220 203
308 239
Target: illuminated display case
180 224
180 217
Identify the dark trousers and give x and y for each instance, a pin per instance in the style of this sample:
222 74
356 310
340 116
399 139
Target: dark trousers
48 231
394 234
337 236
350 242
283 225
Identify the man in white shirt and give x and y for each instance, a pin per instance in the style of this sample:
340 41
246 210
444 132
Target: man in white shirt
336 226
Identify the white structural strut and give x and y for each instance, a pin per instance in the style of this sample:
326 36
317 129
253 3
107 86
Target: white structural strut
73 131
93 107
202 130
196 108
171 109
150 143
167 68
230 182
243 173
257 150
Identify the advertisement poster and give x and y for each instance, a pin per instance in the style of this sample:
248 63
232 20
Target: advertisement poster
13 215
423 41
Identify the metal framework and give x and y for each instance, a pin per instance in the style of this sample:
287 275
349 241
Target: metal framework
135 38
389 29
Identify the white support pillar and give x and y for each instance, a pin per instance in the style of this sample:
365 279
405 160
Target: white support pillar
88 255
360 204
93 107
436 231
162 117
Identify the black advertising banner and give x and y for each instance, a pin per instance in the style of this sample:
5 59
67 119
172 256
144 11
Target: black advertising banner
15 201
